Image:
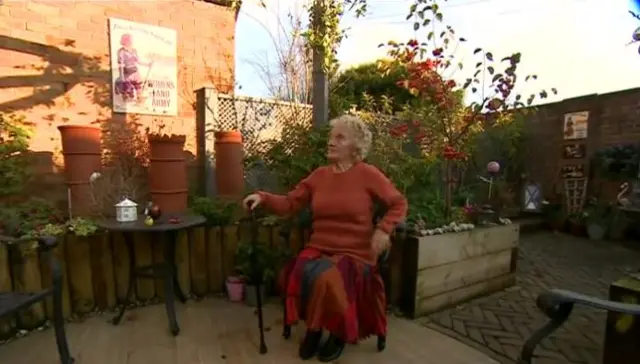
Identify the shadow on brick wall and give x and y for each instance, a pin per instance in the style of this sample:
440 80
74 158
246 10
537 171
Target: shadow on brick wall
54 79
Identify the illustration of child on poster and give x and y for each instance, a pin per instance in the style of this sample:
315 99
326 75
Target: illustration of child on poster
144 70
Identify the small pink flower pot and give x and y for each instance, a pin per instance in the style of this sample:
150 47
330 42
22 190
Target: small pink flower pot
235 289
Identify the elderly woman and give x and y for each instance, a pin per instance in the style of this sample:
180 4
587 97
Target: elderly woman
333 284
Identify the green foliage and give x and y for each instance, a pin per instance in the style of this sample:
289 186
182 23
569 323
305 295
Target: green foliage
361 85
15 134
300 150
28 218
618 162
217 212
80 226
259 260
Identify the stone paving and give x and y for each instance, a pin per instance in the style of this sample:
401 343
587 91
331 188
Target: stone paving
499 324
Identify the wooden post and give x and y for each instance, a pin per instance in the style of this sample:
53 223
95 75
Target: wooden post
103 280
183 261
230 246
120 266
158 241
5 286
27 278
47 279
198 261
80 274
144 257
214 259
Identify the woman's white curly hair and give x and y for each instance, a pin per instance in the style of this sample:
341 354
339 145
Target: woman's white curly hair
359 131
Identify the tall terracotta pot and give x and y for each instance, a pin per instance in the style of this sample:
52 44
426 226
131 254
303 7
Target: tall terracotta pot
168 173
82 157
229 157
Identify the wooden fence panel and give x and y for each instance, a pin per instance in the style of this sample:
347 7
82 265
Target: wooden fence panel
183 261
6 324
80 272
229 247
102 272
120 266
27 278
198 261
215 253
47 280
143 252
158 240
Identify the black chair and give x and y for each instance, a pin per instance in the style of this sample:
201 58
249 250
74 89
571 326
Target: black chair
557 304
12 302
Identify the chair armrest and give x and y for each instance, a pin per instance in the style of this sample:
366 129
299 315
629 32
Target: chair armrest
557 304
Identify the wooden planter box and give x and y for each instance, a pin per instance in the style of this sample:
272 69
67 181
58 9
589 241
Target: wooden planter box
444 270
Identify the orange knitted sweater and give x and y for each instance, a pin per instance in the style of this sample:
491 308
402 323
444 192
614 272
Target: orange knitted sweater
342 205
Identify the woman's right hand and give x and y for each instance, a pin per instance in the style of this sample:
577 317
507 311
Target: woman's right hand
252 201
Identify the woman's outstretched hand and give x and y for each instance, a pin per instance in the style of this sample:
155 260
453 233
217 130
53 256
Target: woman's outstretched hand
252 201
380 241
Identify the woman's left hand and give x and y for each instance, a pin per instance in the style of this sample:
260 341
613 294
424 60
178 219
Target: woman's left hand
380 241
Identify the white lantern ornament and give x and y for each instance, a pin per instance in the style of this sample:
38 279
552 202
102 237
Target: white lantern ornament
126 211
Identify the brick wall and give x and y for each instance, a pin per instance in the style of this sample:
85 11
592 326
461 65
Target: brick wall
614 119
54 56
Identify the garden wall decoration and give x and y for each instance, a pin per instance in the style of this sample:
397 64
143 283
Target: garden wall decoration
572 171
574 151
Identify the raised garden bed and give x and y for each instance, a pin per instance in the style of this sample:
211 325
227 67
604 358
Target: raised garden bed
444 270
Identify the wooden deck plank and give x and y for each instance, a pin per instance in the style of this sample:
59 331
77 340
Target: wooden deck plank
217 331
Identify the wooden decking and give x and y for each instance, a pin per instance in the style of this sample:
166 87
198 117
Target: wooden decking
217 331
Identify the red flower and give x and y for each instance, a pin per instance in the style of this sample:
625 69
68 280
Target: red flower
413 43
437 52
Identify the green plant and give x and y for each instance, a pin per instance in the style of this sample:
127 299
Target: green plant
15 134
216 211
618 162
81 226
28 218
259 260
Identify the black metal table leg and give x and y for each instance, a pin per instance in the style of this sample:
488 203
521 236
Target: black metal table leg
171 286
128 241
174 271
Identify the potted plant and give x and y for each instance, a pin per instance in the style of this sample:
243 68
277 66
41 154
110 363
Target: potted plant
257 263
577 223
598 220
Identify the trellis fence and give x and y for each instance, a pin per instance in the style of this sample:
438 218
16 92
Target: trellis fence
257 119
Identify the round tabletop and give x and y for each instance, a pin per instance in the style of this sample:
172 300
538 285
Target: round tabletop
162 224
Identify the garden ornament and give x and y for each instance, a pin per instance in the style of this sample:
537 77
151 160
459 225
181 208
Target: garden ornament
126 210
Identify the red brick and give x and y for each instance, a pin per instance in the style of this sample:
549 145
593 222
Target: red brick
26 15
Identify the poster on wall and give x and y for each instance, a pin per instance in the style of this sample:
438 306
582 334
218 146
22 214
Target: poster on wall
573 151
572 171
144 72
575 125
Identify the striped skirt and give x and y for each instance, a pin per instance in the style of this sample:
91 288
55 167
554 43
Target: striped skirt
335 293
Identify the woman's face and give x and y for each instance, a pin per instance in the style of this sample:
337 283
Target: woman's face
341 146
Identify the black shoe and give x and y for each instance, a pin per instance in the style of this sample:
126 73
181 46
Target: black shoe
331 350
310 344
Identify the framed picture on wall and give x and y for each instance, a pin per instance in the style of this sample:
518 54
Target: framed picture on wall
574 151
576 125
572 171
